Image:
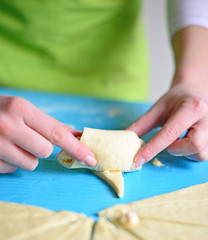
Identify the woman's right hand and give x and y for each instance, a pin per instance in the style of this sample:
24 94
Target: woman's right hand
27 133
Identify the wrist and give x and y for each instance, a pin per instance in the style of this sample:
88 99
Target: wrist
191 76
191 56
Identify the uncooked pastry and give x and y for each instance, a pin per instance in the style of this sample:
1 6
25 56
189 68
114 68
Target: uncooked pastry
157 163
114 179
178 215
105 230
114 151
22 222
182 214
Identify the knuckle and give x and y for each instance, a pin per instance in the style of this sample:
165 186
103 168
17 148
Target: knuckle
57 133
197 104
196 144
171 133
203 156
148 151
5 126
14 104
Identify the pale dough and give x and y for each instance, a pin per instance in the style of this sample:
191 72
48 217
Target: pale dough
105 230
114 151
22 222
182 214
114 179
157 163
13 210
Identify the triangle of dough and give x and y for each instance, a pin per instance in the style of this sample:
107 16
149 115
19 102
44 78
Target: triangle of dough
181 213
76 230
19 211
22 222
84 231
163 230
114 179
105 230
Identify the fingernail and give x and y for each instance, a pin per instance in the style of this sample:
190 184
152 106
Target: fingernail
140 162
176 154
90 161
83 163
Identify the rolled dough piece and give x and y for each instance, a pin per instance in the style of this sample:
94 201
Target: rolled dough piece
114 151
22 222
182 214
105 230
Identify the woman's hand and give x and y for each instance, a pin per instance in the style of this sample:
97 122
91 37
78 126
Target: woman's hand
27 133
182 108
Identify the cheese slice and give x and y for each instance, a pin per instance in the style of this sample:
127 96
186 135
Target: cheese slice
114 151
182 214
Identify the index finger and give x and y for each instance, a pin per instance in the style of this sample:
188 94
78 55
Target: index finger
58 134
180 121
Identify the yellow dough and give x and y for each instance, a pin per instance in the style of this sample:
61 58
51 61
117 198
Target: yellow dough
182 214
13 210
105 230
114 151
157 163
22 222
114 179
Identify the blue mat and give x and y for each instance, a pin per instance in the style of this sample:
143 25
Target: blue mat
56 188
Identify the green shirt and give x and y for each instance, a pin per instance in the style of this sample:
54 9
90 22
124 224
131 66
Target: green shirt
87 47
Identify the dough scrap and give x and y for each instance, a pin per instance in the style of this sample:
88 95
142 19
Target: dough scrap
157 163
114 151
182 214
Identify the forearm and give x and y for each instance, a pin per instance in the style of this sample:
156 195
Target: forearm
190 47
185 105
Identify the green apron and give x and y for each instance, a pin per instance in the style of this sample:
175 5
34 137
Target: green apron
85 47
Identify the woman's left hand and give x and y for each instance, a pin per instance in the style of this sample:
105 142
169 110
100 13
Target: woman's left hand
183 107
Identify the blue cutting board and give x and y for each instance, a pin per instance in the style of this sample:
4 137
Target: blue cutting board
56 188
